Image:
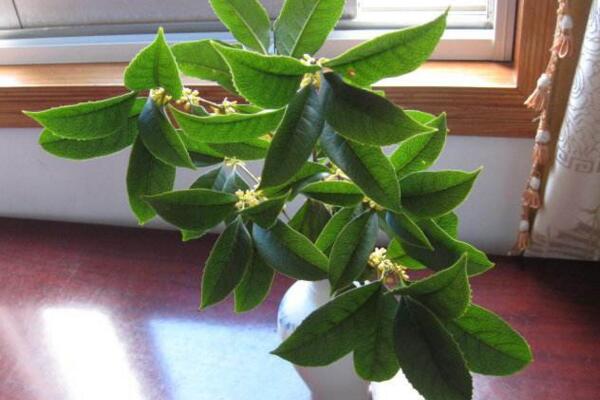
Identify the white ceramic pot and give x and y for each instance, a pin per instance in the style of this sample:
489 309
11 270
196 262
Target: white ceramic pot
337 381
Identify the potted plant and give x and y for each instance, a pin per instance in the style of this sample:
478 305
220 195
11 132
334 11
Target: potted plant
319 127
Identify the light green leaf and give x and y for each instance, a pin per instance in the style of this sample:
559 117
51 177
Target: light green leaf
351 250
338 193
367 166
310 219
146 176
161 139
267 81
429 357
255 285
253 149
266 213
295 138
194 209
333 228
154 67
333 330
363 116
447 293
247 20
404 228
199 59
449 223
187 236
230 128
389 55
430 194
489 344
226 263
86 121
397 254
290 252
303 25
420 151
373 359
447 251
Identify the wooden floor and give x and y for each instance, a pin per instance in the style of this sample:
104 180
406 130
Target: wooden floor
90 312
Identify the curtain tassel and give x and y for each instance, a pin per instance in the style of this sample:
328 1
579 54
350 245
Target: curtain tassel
531 196
522 239
541 154
563 45
539 97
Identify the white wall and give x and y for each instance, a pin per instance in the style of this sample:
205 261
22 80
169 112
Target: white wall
34 184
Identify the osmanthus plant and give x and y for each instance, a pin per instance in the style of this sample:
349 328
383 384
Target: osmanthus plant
319 126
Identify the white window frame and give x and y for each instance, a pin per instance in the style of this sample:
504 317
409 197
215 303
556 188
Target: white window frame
456 44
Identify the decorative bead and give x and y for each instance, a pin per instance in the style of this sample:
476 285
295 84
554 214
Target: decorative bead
535 183
542 137
544 81
524 226
566 22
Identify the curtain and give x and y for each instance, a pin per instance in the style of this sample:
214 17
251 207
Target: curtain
568 225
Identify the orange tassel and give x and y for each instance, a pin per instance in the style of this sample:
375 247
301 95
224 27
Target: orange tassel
541 155
522 239
539 98
563 44
531 199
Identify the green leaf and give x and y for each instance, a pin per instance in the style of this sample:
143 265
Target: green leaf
247 20
333 330
187 235
266 213
333 228
389 55
447 293
403 227
309 172
367 166
194 209
429 357
154 67
86 149
199 59
201 160
351 250
303 25
363 116
290 252
253 149
230 128
86 121
488 343
212 180
338 193
430 194
397 254
226 263
146 176
373 359
255 285
295 138
449 223
447 251
419 152
161 139
310 219
267 81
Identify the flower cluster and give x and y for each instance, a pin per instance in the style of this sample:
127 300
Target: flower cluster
386 268
248 198
189 98
160 96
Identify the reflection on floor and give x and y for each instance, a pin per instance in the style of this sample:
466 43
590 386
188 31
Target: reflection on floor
90 312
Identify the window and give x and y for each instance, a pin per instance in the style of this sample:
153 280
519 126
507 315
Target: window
37 31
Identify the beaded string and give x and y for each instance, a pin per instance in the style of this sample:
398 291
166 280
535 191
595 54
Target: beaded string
539 100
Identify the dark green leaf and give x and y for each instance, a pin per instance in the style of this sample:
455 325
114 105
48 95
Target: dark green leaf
351 250
212 180
406 229
447 251
310 219
255 285
309 172
363 116
295 138
420 151
226 263
146 176
339 193
290 252
160 138
429 357
230 128
266 213
194 209
154 67
397 254
446 293
373 359
247 20
199 59
388 55
366 165
201 160
253 149
449 223
303 25
86 121
430 194
267 81
333 228
333 330
489 344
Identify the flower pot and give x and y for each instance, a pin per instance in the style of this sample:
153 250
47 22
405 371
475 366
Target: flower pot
337 381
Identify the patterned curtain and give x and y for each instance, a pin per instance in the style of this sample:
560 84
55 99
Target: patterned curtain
568 226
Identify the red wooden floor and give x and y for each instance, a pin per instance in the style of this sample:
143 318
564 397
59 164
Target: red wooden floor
91 312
